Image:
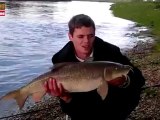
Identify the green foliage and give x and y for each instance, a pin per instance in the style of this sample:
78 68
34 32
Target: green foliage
137 0
144 13
141 12
157 5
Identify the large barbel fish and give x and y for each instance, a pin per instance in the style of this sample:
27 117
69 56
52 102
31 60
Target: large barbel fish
75 77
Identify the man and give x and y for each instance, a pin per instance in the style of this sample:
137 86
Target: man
123 95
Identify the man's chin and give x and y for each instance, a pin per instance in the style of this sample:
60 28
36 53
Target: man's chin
86 52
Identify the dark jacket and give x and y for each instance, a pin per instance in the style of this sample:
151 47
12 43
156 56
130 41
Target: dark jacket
119 102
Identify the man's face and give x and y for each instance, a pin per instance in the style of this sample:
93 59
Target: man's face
83 39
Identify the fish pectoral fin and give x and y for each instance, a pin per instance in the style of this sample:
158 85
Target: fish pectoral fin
38 95
103 90
21 100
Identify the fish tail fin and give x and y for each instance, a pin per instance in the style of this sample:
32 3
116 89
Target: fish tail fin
103 89
20 98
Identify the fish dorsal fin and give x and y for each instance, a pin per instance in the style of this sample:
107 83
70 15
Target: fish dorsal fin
59 65
103 90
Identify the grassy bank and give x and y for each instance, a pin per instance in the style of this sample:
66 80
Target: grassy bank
144 13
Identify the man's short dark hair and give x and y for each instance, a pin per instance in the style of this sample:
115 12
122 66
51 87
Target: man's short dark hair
78 21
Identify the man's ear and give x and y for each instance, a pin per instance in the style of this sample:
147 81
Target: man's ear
70 37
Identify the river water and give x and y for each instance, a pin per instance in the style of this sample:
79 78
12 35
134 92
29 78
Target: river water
31 32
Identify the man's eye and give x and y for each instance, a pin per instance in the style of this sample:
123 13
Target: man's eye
80 36
91 36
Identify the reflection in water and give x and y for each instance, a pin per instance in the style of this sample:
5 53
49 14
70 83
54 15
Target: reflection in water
31 32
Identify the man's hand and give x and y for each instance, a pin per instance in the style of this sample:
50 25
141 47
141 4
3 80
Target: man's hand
53 88
119 82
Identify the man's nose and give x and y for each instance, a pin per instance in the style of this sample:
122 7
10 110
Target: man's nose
86 39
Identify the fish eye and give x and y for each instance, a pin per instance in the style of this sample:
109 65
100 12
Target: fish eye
116 68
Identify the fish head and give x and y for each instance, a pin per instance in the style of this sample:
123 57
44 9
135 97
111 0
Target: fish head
116 71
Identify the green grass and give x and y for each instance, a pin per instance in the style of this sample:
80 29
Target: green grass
144 13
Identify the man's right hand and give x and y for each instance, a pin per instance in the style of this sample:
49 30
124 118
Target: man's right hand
53 88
